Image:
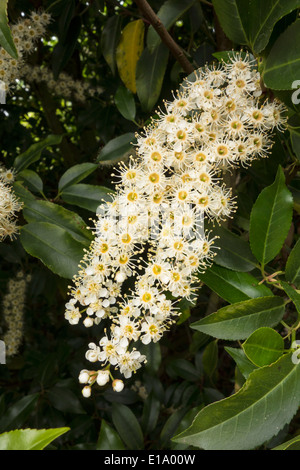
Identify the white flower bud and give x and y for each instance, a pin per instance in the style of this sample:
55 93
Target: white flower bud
86 391
88 322
118 385
84 376
103 377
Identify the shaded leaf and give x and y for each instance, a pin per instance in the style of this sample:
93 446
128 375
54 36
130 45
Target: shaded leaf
117 148
108 438
87 196
292 269
125 103
34 152
243 363
75 174
127 426
264 346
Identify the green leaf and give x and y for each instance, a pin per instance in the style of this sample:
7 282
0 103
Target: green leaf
169 13
171 425
75 174
127 426
233 286
185 422
17 414
32 180
22 193
245 366
262 19
295 140
150 73
116 148
282 66
210 358
44 211
125 103
109 40
270 219
232 15
234 252
54 246
264 346
240 320
293 294
64 399
150 413
265 404
153 354
34 152
29 439
87 196
108 438
292 268
6 39
129 51
292 444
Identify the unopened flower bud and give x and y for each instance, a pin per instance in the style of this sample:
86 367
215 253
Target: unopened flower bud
86 391
84 376
118 385
103 377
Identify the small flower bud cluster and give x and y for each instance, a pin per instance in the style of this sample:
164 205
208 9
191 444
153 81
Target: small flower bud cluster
13 306
153 229
9 205
65 86
25 34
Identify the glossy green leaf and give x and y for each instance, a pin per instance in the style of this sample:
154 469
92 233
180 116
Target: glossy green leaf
239 320
293 294
64 399
86 196
109 40
54 246
33 154
117 148
265 404
17 413
262 18
6 39
150 73
150 414
292 444
210 358
44 211
233 286
234 252
292 268
270 219
31 180
125 103
169 13
243 363
30 439
295 140
282 66
22 193
108 438
264 346
232 15
75 174
127 426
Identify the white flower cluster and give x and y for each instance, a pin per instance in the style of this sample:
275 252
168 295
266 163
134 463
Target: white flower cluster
9 205
25 34
153 229
13 311
65 86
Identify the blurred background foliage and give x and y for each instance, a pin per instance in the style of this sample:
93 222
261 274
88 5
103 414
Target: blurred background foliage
124 73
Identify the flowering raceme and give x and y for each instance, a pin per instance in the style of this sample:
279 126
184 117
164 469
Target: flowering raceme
153 228
9 205
25 34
